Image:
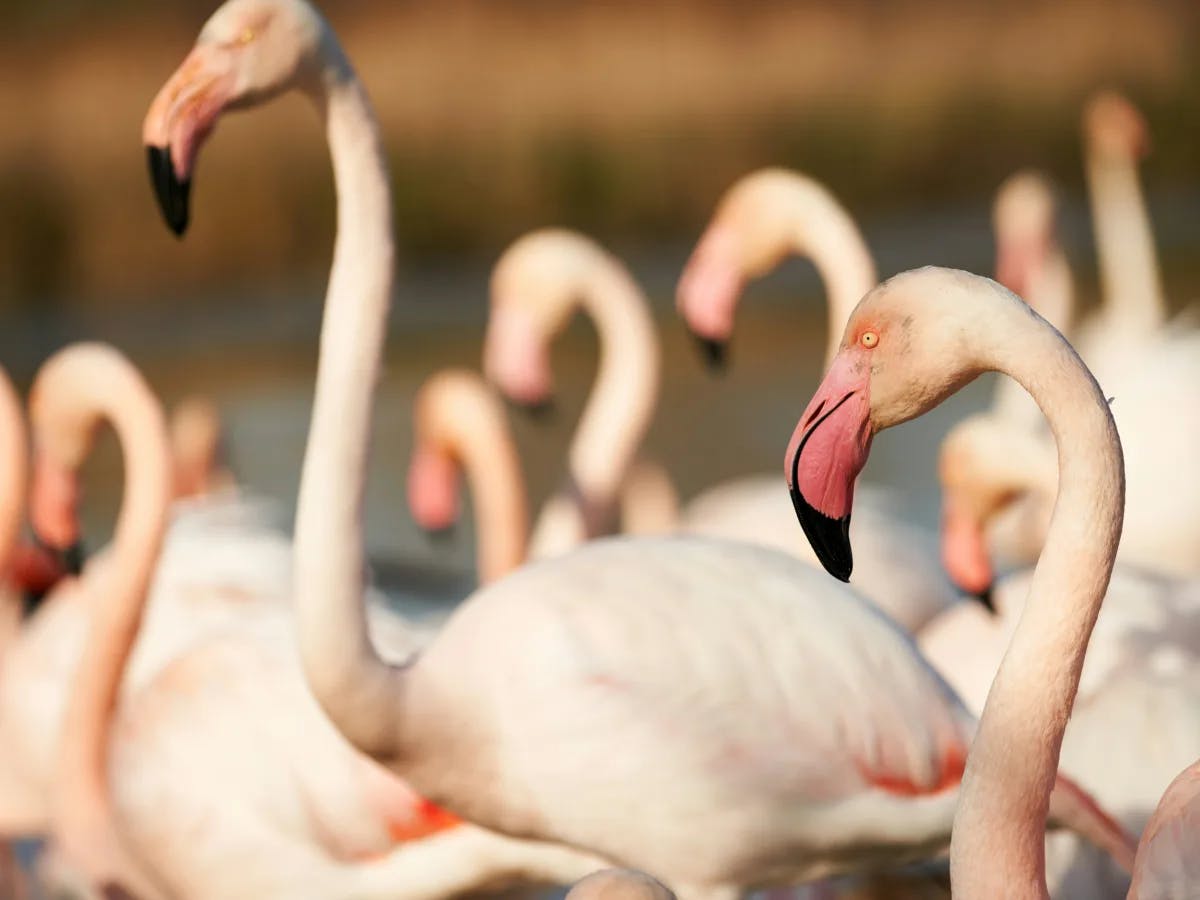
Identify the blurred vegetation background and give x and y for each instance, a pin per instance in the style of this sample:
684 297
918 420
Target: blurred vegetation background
623 118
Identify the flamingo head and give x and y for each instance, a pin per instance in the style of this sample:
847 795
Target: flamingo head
248 52
535 287
1114 128
987 467
904 350
1024 221
433 488
747 237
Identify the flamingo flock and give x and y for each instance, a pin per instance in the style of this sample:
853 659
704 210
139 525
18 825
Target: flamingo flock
783 685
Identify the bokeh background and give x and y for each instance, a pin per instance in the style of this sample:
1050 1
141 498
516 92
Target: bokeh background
623 118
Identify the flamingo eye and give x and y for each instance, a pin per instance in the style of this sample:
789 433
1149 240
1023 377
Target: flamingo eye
869 339
245 36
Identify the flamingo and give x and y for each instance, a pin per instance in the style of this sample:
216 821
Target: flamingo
909 344
460 427
234 710
1133 310
536 285
764 217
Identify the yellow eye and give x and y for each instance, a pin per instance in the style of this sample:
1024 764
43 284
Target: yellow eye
246 36
869 339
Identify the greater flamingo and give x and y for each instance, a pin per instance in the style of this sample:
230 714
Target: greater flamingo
538 282
234 710
909 344
459 427
763 218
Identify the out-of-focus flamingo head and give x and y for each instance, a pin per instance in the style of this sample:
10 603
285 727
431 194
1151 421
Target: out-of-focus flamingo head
746 238
195 433
1024 220
248 52
535 287
903 352
433 488
988 466
1114 128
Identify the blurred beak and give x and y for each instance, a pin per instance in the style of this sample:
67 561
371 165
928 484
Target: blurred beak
181 117
515 360
708 293
827 451
714 353
964 553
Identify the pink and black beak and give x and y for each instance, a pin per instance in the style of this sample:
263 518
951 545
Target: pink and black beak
708 293
827 451
181 117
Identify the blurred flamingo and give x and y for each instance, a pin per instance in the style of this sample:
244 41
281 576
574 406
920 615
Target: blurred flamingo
1168 857
764 217
538 282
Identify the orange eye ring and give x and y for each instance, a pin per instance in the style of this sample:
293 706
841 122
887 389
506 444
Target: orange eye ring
869 339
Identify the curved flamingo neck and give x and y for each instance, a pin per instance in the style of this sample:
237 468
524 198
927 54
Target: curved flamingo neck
1129 276
618 411
347 677
14 474
998 846
1052 294
466 422
107 389
818 227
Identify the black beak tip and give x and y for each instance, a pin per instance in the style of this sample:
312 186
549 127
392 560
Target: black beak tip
439 535
714 353
73 558
830 538
172 194
540 411
986 599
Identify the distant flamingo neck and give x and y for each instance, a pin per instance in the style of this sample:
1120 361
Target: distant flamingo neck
1132 286
119 590
621 405
470 427
349 680
14 473
1052 294
820 228
998 847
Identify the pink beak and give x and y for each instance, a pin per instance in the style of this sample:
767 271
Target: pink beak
181 117
964 551
53 510
827 451
708 292
1017 263
433 491
515 359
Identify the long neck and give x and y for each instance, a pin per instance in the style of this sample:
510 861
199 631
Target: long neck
1129 276
14 471
1052 294
349 680
621 405
997 847
498 495
822 230
119 589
